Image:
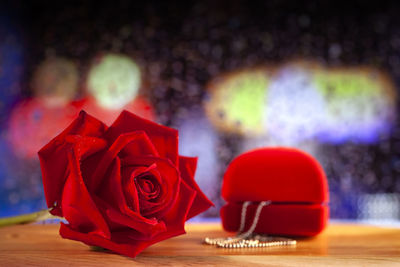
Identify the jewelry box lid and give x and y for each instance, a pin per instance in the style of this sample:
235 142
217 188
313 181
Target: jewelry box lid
278 174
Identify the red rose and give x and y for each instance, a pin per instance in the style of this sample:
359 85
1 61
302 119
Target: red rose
122 187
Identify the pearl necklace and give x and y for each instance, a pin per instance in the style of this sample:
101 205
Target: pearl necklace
249 239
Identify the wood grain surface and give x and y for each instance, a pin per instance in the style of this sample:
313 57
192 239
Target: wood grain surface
338 245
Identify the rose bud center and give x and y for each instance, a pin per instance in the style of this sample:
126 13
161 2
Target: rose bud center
147 186
143 189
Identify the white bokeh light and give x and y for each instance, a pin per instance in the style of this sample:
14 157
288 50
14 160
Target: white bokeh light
294 109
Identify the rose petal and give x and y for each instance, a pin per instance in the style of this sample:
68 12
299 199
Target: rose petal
77 205
177 215
130 219
54 161
111 201
171 181
146 230
174 220
111 190
141 147
94 240
165 139
143 228
85 146
187 168
125 244
136 142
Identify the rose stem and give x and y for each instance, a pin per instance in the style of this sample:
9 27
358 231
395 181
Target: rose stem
26 218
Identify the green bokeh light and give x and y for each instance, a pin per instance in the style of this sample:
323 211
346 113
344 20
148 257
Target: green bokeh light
237 102
359 102
114 81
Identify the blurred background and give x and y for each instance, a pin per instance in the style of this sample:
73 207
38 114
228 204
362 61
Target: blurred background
229 75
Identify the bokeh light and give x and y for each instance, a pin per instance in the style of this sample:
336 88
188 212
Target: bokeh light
303 101
236 101
140 106
360 104
294 110
114 80
35 121
113 85
55 81
378 206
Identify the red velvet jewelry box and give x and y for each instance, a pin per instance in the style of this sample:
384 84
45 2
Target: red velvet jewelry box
292 180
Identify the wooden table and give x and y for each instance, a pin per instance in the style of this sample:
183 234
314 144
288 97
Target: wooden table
338 245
